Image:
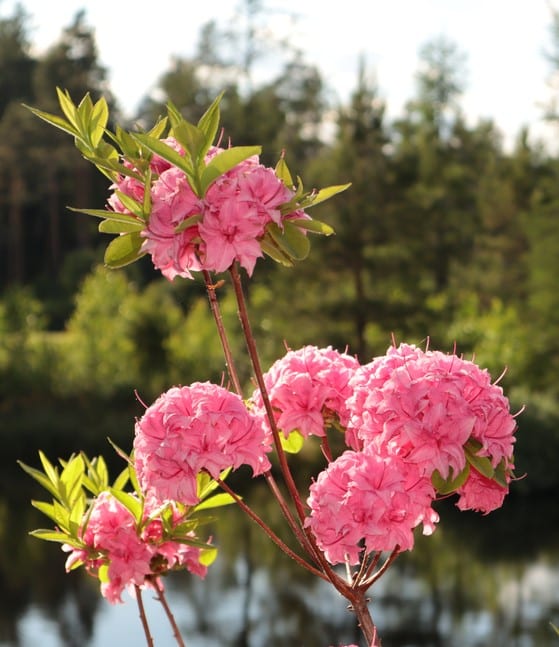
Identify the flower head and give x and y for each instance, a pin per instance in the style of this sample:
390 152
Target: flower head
364 498
308 387
428 405
194 428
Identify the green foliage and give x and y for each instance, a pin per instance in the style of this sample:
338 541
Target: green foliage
72 483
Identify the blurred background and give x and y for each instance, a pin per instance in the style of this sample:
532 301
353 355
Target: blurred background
449 232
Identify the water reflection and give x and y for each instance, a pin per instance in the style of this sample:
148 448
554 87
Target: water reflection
477 582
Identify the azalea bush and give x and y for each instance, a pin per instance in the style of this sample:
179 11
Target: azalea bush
415 425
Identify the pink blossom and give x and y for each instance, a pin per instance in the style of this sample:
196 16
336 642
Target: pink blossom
363 497
232 216
194 428
428 405
133 553
173 201
481 494
307 388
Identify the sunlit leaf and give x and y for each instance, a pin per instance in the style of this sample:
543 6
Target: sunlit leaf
225 161
166 152
208 556
326 194
54 120
50 535
293 443
114 226
130 502
313 225
215 501
282 172
41 478
68 107
209 121
124 250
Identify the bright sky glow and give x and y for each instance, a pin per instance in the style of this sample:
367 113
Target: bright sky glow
504 41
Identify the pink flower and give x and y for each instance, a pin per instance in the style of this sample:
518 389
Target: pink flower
481 494
132 553
426 406
364 498
173 201
194 428
232 217
307 388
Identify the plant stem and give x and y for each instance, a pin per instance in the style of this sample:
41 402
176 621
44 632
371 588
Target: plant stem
255 360
310 542
216 312
161 597
143 617
271 534
364 619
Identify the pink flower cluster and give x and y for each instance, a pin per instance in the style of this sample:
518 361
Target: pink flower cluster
190 429
425 406
407 415
365 497
308 388
227 223
132 556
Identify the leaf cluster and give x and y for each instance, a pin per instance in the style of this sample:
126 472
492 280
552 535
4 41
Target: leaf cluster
76 484
129 156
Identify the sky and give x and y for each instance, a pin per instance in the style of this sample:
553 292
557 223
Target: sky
504 41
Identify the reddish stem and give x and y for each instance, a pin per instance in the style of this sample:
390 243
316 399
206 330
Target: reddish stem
161 597
271 534
143 617
216 312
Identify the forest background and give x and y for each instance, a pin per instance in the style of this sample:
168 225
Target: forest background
444 234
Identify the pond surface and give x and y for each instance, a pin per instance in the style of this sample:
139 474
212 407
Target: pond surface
477 582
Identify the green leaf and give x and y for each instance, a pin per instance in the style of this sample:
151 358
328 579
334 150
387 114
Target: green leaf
107 215
114 226
225 161
54 120
130 502
46 508
269 247
166 152
315 226
501 474
282 172
98 121
215 501
208 556
209 121
122 479
325 194
188 222
68 107
123 250
41 478
291 240
205 484
132 205
480 463
189 136
50 470
71 480
293 443
450 484
50 535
